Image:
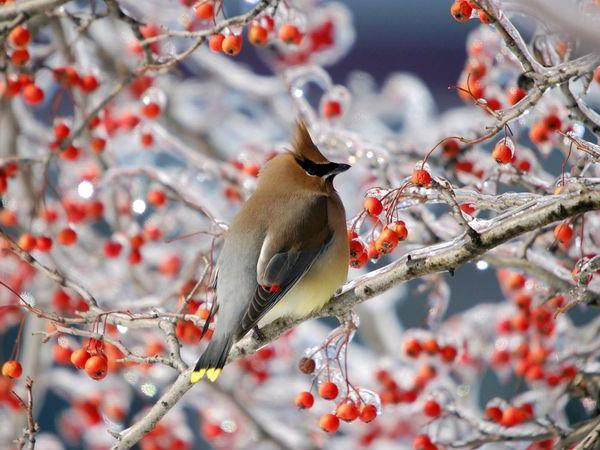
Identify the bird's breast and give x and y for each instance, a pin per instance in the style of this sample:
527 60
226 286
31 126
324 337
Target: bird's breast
316 287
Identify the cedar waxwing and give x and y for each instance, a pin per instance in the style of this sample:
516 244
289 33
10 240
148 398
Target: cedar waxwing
285 253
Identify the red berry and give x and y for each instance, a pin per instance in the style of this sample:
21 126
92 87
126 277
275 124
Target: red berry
96 367
43 243
204 11
431 408
347 411
304 400
79 357
563 233
448 353
290 34
387 241
112 249
451 148
511 416
539 133
19 56
431 346
211 430
493 413
19 36
421 442
27 242
61 131
461 10
332 108
67 236
412 347
485 18
502 153
552 122
89 83
368 413
232 44
421 177
373 206
515 95
12 369
157 198
33 94
215 43
150 110
329 423
328 390
97 144
258 35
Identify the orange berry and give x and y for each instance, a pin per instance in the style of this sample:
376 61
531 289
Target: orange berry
27 242
258 35
146 139
19 36
205 11
66 236
511 416
157 198
368 413
421 177
79 357
539 133
12 369
232 44
329 423
387 241
502 153
96 367
431 346
347 411
328 390
304 400
400 229
215 43
373 206
563 233
461 10
359 261
290 34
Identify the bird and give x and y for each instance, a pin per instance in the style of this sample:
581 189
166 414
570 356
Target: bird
285 253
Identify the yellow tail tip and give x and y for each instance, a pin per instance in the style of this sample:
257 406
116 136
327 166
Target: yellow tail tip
212 374
197 375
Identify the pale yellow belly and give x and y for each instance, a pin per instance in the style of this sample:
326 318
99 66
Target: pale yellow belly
313 290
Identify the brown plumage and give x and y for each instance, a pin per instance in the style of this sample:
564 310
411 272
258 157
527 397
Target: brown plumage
285 253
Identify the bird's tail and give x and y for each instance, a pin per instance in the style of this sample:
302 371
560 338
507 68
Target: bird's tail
213 359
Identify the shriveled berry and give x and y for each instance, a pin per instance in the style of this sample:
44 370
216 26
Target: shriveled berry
421 177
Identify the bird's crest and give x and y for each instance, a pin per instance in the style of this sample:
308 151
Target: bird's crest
304 147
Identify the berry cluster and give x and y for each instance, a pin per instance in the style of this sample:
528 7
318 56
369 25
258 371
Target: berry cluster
349 408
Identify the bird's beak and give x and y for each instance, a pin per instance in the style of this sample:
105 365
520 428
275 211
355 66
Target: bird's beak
339 168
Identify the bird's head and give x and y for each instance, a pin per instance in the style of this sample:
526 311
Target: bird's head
309 157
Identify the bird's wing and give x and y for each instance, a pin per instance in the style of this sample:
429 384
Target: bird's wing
285 258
